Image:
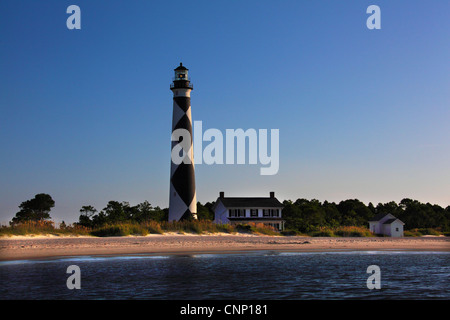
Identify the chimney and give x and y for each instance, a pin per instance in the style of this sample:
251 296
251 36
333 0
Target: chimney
272 194
222 194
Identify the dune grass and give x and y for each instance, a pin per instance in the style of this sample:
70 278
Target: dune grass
291 233
120 230
43 228
130 228
343 231
418 232
257 228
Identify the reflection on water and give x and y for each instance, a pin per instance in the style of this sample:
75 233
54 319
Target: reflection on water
259 275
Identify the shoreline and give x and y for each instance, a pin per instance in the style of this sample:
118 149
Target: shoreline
46 247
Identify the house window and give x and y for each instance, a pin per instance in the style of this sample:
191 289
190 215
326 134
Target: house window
274 212
253 212
266 213
236 213
396 229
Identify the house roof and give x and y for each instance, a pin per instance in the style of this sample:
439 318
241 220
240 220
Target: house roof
379 216
251 202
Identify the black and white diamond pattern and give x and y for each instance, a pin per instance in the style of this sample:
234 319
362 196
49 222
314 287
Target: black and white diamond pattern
183 202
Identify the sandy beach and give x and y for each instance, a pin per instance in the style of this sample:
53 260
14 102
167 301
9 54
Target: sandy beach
39 247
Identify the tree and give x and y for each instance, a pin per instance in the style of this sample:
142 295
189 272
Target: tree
313 214
390 207
99 219
372 208
87 212
292 214
117 212
145 212
354 212
332 214
36 209
205 212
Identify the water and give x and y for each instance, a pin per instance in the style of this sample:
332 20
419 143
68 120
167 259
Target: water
259 275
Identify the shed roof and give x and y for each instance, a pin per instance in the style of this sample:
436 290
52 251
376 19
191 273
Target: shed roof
392 220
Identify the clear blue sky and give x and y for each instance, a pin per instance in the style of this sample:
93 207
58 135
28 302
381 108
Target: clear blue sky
86 114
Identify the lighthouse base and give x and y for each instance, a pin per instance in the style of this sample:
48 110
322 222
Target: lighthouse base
188 215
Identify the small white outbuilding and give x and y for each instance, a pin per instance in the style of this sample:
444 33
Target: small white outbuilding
387 224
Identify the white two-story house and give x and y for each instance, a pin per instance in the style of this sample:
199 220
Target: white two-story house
249 210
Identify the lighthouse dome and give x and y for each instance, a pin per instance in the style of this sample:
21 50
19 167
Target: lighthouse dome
181 67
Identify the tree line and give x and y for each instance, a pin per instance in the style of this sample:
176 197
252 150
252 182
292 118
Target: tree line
306 215
302 215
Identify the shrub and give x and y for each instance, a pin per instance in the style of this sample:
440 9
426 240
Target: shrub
422 232
291 233
153 227
323 233
227 228
429 231
41 227
265 229
194 226
243 228
352 231
345 231
118 230
259 228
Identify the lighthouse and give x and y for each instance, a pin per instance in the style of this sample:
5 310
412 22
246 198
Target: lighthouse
182 199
